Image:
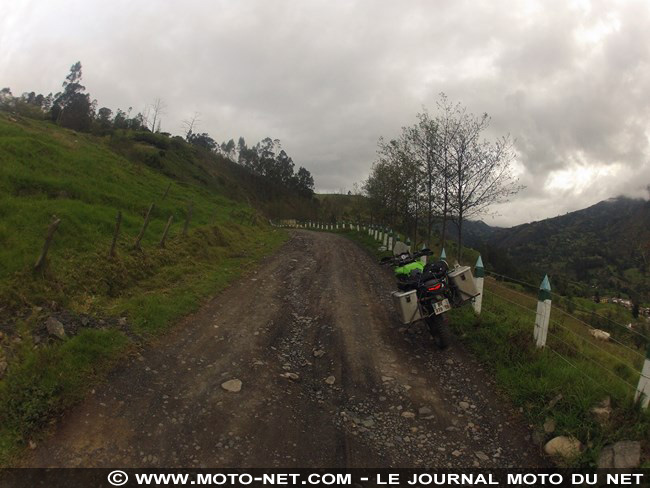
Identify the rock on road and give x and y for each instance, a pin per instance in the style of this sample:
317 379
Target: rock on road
327 375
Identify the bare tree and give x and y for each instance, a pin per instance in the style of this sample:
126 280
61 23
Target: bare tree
190 125
441 167
158 110
481 172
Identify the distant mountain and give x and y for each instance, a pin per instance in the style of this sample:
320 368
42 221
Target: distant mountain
605 246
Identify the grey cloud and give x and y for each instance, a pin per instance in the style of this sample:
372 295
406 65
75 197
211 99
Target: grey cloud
330 78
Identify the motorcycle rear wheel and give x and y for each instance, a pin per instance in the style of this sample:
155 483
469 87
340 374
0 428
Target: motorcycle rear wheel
439 329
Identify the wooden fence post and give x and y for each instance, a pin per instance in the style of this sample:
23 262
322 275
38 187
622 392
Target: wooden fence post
167 191
118 223
643 389
164 236
144 227
543 314
479 274
188 217
41 262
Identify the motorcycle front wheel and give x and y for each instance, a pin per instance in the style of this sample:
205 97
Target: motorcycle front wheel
439 329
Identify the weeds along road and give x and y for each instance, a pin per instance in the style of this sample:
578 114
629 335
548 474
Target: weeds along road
319 308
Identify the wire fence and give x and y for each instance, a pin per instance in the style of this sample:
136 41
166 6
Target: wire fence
566 299
571 338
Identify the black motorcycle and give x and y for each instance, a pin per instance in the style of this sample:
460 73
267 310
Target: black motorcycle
426 292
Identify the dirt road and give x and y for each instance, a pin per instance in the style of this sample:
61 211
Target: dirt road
319 308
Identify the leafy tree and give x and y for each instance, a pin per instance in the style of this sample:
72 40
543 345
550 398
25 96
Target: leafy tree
120 120
229 149
104 116
72 108
203 140
6 98
305 181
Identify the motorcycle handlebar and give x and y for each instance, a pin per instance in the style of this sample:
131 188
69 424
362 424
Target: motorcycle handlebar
398 260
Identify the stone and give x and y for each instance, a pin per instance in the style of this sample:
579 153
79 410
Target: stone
330 380
456 453
603 410
232 386
622 455
290 376
549 426
602 414
319 353
55 328
387 378
601 335
554 401
482 456
463 405
424 411
408 415
121 321
563 446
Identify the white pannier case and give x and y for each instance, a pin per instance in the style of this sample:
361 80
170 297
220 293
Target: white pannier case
464 280
407 305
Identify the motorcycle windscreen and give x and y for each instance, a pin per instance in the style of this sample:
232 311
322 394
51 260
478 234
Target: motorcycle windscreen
400 248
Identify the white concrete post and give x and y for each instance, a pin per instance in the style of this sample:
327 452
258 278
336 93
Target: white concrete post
423 259
443 255
643 389
374 234
479 274
543 313
357 227
390 241
385 239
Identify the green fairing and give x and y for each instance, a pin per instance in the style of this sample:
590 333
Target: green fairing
407 268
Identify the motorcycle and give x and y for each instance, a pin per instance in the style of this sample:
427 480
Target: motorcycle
428 291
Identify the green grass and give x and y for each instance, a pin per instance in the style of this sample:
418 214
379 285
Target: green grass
51 379
85 180
502 338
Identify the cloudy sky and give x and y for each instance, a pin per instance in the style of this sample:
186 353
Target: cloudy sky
569 80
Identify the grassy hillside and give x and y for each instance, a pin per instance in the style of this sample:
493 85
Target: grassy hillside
605 247
106 305
562 382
